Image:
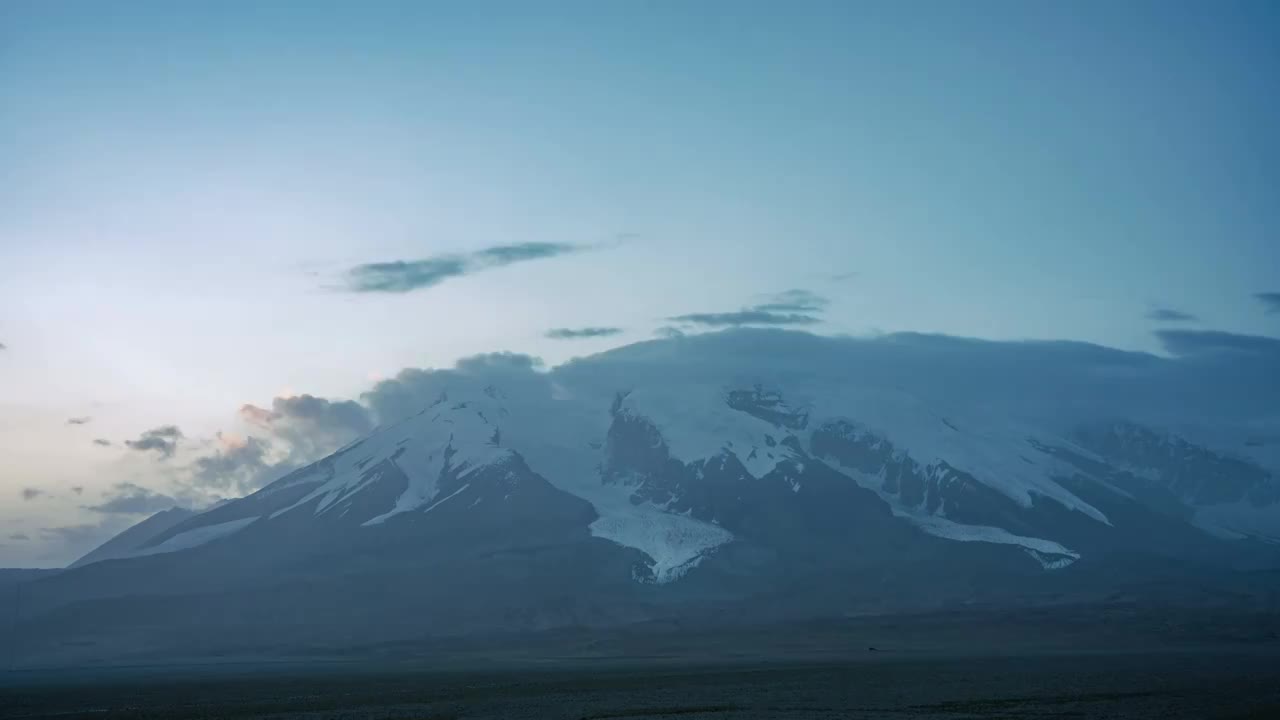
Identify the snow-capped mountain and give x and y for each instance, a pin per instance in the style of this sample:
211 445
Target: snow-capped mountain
681 472
651 481
677 471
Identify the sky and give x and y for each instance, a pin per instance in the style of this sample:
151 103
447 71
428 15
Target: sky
211 206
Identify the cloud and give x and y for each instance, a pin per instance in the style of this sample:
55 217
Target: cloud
508 254
242 466
1270 300
499 361
792 308
791 301
29 494
102 442
517 376
579 333
130 499
311 424
339 413
79 420
1059 382
402 276
745 317
21 537
255 415
299 430
1189 343
164 440
1170 315
3 346
666 331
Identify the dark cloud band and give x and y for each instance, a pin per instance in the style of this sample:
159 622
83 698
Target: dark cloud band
745 317
792 308
163 440
402 276
580 333
794 301
1170 315
1188 343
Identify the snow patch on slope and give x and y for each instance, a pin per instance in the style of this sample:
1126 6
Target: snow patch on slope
996 452
567 453
675 543
197 537
1047 552
696 423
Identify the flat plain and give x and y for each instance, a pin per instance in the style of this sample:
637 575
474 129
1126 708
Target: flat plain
1162 685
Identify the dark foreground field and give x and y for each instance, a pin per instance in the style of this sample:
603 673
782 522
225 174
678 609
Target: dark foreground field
1117 685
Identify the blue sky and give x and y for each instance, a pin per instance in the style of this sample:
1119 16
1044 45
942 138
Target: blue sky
185 188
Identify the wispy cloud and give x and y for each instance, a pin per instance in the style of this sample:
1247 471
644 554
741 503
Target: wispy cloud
3 346
29 494
402 276
79 420
1184 343
1170 315
21 537
164 440
801 301
667 331
842 276
580 333
1270 300
102 442
745 317
790 308
508 254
